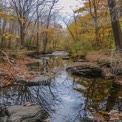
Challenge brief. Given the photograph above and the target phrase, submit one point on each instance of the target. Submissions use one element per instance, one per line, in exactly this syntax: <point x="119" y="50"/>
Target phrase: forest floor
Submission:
<point x="15" y="67"/>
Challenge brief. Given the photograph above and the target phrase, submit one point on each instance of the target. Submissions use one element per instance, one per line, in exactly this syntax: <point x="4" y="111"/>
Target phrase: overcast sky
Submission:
<point x="67" y="5"/>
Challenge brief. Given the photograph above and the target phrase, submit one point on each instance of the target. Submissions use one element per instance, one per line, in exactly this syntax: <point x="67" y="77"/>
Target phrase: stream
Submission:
<point x="67" y="98"/>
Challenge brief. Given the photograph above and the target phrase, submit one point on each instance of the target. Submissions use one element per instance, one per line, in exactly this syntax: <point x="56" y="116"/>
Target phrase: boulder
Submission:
<point x="85" y="71"/>
<point x="20" y="113"/>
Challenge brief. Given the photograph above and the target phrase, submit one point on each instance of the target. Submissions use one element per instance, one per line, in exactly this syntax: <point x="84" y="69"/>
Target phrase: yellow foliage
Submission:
<point x="85" y="18"/>
<point x="21" y="20"/>
<point x="9" y="36"/>
<point x="2" y="15"/>
<point x="50" y="33"/>
<point x="7" y="15"/>
<point x="85" y="28"/>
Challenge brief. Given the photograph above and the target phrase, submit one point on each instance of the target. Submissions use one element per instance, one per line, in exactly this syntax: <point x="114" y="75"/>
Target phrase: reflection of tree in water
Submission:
<point x="51" y="65"/>
<point x="17" y="95"/>
<point x="46" y="96"/>
<point x="23" y="95"/>
<point x="114" y="100"/>
<point x="100" y="95"/>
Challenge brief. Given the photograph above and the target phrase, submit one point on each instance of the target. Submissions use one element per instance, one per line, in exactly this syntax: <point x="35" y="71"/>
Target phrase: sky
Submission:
<point x="67" y="9"/>
<point x="68" y="5"/>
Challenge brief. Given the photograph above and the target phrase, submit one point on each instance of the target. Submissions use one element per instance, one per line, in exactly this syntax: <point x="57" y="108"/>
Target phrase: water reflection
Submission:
<point x="59" y="98"/>
<point x="17" y="95"/>
<point x="67" y="98"/>
<point x="114" y="100"/>
<point x="100" y="95"/>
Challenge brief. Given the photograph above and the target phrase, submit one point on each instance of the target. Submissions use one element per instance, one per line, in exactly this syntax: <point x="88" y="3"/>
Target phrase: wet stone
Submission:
<point x="85" y="71"/>
<point x="40" y="80"/>
<point x="19" y="113"/>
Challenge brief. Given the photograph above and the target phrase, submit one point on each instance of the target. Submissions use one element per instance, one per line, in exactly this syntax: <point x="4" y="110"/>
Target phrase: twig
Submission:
<point x="6" y="57"/>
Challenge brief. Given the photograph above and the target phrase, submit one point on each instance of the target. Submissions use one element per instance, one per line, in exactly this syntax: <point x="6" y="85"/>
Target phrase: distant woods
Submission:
<point x="36" y="25"/>
<point x="30" y="23"/>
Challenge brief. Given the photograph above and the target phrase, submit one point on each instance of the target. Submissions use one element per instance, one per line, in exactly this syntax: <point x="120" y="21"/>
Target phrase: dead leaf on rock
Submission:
<point x="28" y="104"/>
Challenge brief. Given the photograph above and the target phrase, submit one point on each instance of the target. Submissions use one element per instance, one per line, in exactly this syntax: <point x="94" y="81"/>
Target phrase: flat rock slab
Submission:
<point x="85" y="70"/>
<point x="19" y="113"/>
<point x="40" y="80"/>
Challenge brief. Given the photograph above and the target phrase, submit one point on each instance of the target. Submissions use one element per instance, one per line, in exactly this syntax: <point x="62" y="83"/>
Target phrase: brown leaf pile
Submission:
<point x="19" y="69"/>
<point x="111" y="116"/>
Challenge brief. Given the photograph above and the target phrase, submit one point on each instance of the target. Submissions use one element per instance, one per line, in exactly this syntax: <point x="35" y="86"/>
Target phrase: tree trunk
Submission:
<point x="37" y="43"/>
<point x="22" y="34"/>
<point x="9" y="43"/>
<point x="37" y="35"/>
<point x="115" y="24"/>
<point x="45" y="41"/>
<point x="120" y="8"/>
<point x="98" y="42"/>
<point x="94" y="13"/>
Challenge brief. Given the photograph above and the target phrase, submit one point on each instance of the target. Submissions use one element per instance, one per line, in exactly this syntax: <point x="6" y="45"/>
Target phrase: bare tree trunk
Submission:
<point x="3" y="31"/>
<point x="98" y="42"/>
<point x="115" y="24"/>
<point x="93" y="12"/>
<point x="37" y="44"/>
<point x="22" y="34"/>
<point x="37" y="35"/>
<point x="120" y="8"/>
<point x="45" y="41"/>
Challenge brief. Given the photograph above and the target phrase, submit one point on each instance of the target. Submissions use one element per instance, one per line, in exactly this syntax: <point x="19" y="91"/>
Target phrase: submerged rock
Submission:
<point x="85" y="70"/>
<point x="20" y="113"/>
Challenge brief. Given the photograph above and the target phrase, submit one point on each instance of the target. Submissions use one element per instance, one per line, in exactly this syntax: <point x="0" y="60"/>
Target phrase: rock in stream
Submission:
<point x="20" y="113"/>
<point x="85" y="70"/>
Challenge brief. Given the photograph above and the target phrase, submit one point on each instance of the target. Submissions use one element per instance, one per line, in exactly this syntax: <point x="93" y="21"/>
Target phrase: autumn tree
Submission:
<point x="73" y="28"/>
<point x="96" y="9"/>
<point x="73" y="32"/>
<point x="25" y="10"/>
<point x="58" y="35"/>
<point x="48" y="15"/>
<point x="7" y="23"/>
<point x="89" y="28"/>
<point x="3" y="21"/>
<point x="39" y="17"/>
